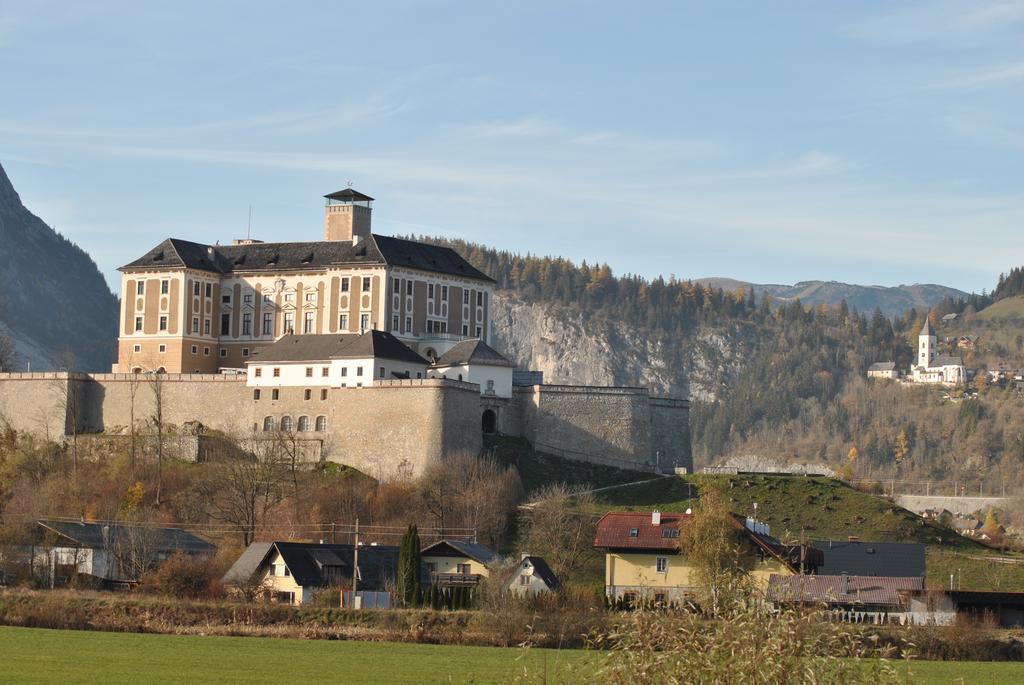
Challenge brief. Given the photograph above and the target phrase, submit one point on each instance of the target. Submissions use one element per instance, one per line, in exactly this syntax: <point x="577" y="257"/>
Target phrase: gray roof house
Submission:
<point x="856" y="558"/>
<point x="295" y="572"/>
<point x="112" y="552"/>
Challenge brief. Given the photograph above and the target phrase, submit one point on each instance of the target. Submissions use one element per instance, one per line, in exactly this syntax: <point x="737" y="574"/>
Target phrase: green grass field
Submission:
<point x="53" y="656"/>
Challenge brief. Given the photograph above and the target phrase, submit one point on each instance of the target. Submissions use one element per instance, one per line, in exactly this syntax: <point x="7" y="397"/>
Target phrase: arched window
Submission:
<point x="137" y="369"/>
<point x="460" y="376"/>
<point x="268" y="424"/>
<point x="286" y="424"/>
<point x="303" y="424"/>
<point x="321" y="424"/>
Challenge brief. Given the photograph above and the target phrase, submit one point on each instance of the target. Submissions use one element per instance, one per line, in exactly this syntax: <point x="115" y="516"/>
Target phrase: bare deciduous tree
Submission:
<point x="558" y="525"/>
<point x="243" y="489"/>
<point x="156" y="384"/>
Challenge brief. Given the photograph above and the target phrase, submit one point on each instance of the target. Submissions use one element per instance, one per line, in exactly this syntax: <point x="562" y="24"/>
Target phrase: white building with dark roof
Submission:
<point x="933" y="368"/>
<point x="476" y="362"/>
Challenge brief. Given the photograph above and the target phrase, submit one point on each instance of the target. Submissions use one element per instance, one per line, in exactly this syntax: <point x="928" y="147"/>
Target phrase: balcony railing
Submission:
<point x="452" y="579"/>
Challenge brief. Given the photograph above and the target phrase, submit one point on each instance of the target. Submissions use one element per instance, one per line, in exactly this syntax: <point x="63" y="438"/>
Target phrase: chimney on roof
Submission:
<point x="347" y="215"/>
<point x="655" y="518"/>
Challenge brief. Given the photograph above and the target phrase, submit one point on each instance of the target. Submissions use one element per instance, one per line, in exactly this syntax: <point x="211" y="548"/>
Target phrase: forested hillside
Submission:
<point x="782" y="381"/>
<point x="53" y="298"/>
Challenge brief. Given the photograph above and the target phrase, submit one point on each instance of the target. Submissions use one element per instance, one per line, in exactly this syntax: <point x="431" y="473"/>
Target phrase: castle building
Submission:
<point x="363" y="349"/>
<point x="194" y="308"/>
<point x="932" y="367"/>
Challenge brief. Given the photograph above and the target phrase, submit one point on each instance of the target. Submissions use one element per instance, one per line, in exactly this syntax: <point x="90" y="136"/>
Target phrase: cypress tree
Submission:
<point x="409" y="567"/>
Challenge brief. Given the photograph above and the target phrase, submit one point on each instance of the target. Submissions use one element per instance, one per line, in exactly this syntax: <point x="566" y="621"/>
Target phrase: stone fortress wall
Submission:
<point x="396" y="427"/>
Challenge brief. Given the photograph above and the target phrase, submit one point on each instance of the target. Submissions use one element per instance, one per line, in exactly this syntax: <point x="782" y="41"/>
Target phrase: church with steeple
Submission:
<point x="932" y="367"/>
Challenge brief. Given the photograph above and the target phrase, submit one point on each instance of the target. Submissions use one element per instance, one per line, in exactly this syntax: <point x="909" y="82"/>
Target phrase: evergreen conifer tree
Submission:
<point x="409" y="567"/>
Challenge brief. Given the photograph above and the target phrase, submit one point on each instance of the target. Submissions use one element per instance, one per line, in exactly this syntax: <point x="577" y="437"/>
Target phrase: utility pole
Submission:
<point x="355" y="564"/>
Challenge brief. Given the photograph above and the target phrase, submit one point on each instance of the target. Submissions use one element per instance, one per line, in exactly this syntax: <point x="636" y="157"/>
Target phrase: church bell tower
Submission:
<point x="927" y="342"/>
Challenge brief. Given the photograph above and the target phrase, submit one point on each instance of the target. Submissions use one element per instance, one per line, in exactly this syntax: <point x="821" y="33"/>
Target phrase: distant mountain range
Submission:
<point x="892" y="300"/>
<point x="52" y="296"/>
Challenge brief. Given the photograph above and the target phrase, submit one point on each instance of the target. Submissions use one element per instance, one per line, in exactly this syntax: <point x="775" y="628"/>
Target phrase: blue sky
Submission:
<point x="772" y="142"/>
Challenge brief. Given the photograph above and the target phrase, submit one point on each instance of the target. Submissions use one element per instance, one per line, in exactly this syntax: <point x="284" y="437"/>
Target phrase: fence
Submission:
<point x="929" y="488"/>
<point x="365" y="599"/>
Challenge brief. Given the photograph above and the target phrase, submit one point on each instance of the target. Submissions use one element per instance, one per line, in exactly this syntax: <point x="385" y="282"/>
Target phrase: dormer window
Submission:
<point x="308" y="258"/>
<point x="634" y="532"/>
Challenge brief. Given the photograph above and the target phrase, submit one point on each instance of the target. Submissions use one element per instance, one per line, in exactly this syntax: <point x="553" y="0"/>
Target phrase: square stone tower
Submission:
<point x="347" y="215"/>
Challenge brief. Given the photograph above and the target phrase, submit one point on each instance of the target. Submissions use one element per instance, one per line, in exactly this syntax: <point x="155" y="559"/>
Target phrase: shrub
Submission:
<point x="183" y="576"/>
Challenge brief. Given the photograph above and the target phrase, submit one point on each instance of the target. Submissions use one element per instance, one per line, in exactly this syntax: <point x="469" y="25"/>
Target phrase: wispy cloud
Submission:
<point x="961" y="20"/>
<point x="985" y="77"/>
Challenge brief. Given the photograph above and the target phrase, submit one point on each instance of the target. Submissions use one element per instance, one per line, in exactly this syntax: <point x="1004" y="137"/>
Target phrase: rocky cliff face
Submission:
<point x="52" y="295"/>
<point x="569" y="350"/>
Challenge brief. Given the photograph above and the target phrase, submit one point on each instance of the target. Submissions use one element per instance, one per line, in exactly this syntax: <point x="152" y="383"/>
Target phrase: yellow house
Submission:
<point x="450" y="563"/>
<point x="295" y="572"/>
<point x="643" y="559"/>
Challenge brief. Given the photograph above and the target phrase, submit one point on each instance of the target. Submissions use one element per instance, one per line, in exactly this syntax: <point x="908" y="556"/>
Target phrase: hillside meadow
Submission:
<point x="802" y="508"/>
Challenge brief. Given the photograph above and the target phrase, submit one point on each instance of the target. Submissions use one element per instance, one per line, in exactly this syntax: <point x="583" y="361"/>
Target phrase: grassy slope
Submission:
<point x="537" y="469"/>
<point x="812" y="508"/>
<point x="999" y="323"/>
<point x="49" y="656"/>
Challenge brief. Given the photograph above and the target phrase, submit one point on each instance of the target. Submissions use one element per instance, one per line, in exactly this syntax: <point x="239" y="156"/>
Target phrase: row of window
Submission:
<point x="287" y="426"/>
<point x="432" y="291"/>
<point x="275" y="393"/>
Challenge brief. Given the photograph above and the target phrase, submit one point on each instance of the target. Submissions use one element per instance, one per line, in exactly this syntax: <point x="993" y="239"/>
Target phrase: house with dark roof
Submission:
<point x="110" y="553"/>
<point x="190" y="307"/>
<point x="296" y="572"/>
<point x="856" y="558"/>
<point x="644" y="560"/>
<point x="455" y="563"/>
<point x="475" y="361"/>
<point x="339" y="360"/>
<point x="532" y="576"/>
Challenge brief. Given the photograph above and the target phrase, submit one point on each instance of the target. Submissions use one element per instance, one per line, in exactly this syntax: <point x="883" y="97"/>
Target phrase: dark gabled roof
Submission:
<point x="893" y="559"/>
<point x="842" y="590"/>
<point x="348" y="195"/>
<point x="614" y="527"/>
<point x="105" y="535"/>
<point x="274" y="257"/>
<point x="542" y="570"/>
<point x="324" y="347"/>
<point x="882" y="366"/>
<point x="945" y="360"/>
<point x="473" y="351"/>
<point x="179" y="254"/>
<point x="426" y="257"/>
<point x="308" y="562"/>
<point x="225" y="259"/>
<point x="458" y="548"/>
